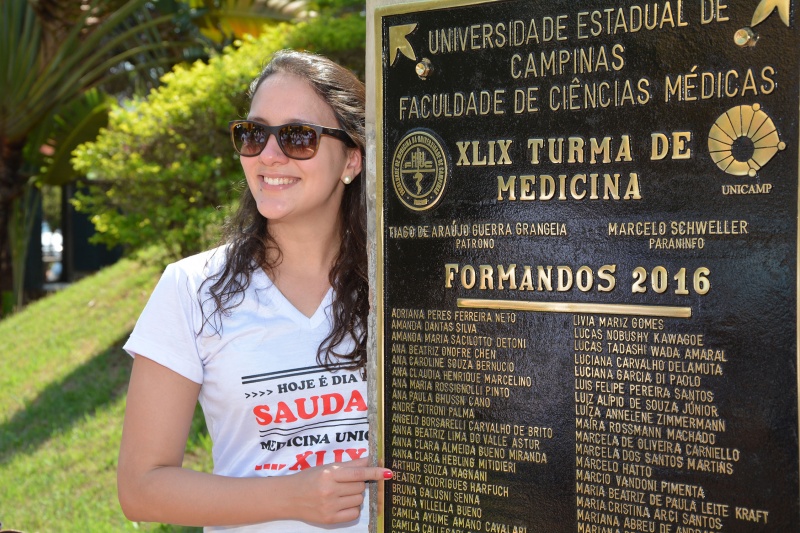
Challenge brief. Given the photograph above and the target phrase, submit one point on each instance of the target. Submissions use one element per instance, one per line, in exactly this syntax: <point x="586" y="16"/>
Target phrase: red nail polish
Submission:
<point x="387" y="474"/>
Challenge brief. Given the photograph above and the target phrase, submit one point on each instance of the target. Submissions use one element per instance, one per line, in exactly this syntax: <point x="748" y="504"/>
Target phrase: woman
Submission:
<point x="268" y="331"/>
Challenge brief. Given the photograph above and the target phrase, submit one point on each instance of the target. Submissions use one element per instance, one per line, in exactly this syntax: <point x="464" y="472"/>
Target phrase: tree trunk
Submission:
<point x="12" y="184"/>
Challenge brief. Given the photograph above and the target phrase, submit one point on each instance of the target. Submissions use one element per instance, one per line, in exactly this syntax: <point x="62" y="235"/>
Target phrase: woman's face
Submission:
<point x="287" y="190"/>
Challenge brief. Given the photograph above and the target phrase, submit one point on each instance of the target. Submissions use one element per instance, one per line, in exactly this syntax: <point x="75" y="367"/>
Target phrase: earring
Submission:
<point x="347" y="180"/>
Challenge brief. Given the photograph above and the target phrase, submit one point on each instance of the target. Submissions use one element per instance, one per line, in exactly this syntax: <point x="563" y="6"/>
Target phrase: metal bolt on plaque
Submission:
<point x="424" y="68"/>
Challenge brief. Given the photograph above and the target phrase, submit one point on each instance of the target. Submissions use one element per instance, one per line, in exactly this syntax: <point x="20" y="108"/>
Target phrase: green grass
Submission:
<point x="63" y="379"/>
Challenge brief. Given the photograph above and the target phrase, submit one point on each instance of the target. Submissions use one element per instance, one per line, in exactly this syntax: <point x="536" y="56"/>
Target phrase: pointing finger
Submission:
<point x="364" y="473"/>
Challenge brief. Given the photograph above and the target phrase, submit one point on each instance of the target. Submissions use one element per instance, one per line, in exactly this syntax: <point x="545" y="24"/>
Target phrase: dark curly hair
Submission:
<point x="250" y="244"/>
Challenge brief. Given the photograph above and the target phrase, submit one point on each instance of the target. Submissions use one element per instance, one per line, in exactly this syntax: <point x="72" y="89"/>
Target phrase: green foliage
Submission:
<point x="164" y="169"/>
<point x="36" y="75"/>
<point x="223" y="21"/>
<point x="49" y="148"/>
<point x="338" y="32"/>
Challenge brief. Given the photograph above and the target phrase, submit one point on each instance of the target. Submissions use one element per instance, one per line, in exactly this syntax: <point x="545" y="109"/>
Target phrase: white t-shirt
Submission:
<point x="270" y="408"/>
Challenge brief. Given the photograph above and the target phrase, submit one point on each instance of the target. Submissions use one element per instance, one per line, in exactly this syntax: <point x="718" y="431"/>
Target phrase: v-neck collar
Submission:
<point x="281" y="304"/>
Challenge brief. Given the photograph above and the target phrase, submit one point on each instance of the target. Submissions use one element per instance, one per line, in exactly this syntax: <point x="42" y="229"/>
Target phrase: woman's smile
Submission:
<point x="278" y="181"/>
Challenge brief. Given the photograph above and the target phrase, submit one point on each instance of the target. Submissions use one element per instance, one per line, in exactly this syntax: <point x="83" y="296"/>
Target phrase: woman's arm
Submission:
<point x="154" y="487"/>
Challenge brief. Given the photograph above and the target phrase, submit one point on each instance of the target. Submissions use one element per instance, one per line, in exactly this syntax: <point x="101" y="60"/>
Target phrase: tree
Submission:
<point x="46" y="162"/>
<point x="51" y="52"/>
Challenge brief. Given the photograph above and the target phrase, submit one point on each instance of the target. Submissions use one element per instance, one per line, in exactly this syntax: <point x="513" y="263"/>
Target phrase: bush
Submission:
<point x="338" y="32"/>
<point x="164" y="170"/>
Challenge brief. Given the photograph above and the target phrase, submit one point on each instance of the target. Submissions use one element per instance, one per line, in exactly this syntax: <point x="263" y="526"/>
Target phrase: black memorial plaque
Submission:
<point x="588" y="266"/>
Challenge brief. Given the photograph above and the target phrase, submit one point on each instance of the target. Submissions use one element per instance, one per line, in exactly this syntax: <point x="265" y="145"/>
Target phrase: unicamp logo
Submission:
<point x="743" y="140"/>
<point x="419" y="170"/>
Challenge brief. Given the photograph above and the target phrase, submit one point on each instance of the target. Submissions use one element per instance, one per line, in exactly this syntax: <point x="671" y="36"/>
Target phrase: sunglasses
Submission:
<point x="297" y="141"/>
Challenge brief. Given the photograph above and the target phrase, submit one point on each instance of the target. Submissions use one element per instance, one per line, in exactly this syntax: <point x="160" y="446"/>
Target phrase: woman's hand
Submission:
<point x="334" y="493"/>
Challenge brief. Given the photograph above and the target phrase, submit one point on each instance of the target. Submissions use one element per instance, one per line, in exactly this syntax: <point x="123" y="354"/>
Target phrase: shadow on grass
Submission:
<point x="92" y="386"/>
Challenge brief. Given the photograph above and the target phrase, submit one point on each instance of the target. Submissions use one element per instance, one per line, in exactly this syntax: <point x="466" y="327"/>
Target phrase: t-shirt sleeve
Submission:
<point x="165" y="331"/>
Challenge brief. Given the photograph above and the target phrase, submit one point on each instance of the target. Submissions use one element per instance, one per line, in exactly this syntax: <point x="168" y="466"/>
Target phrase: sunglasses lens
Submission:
<point x="298" y="141"/>
<point x="248" y="138"/>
